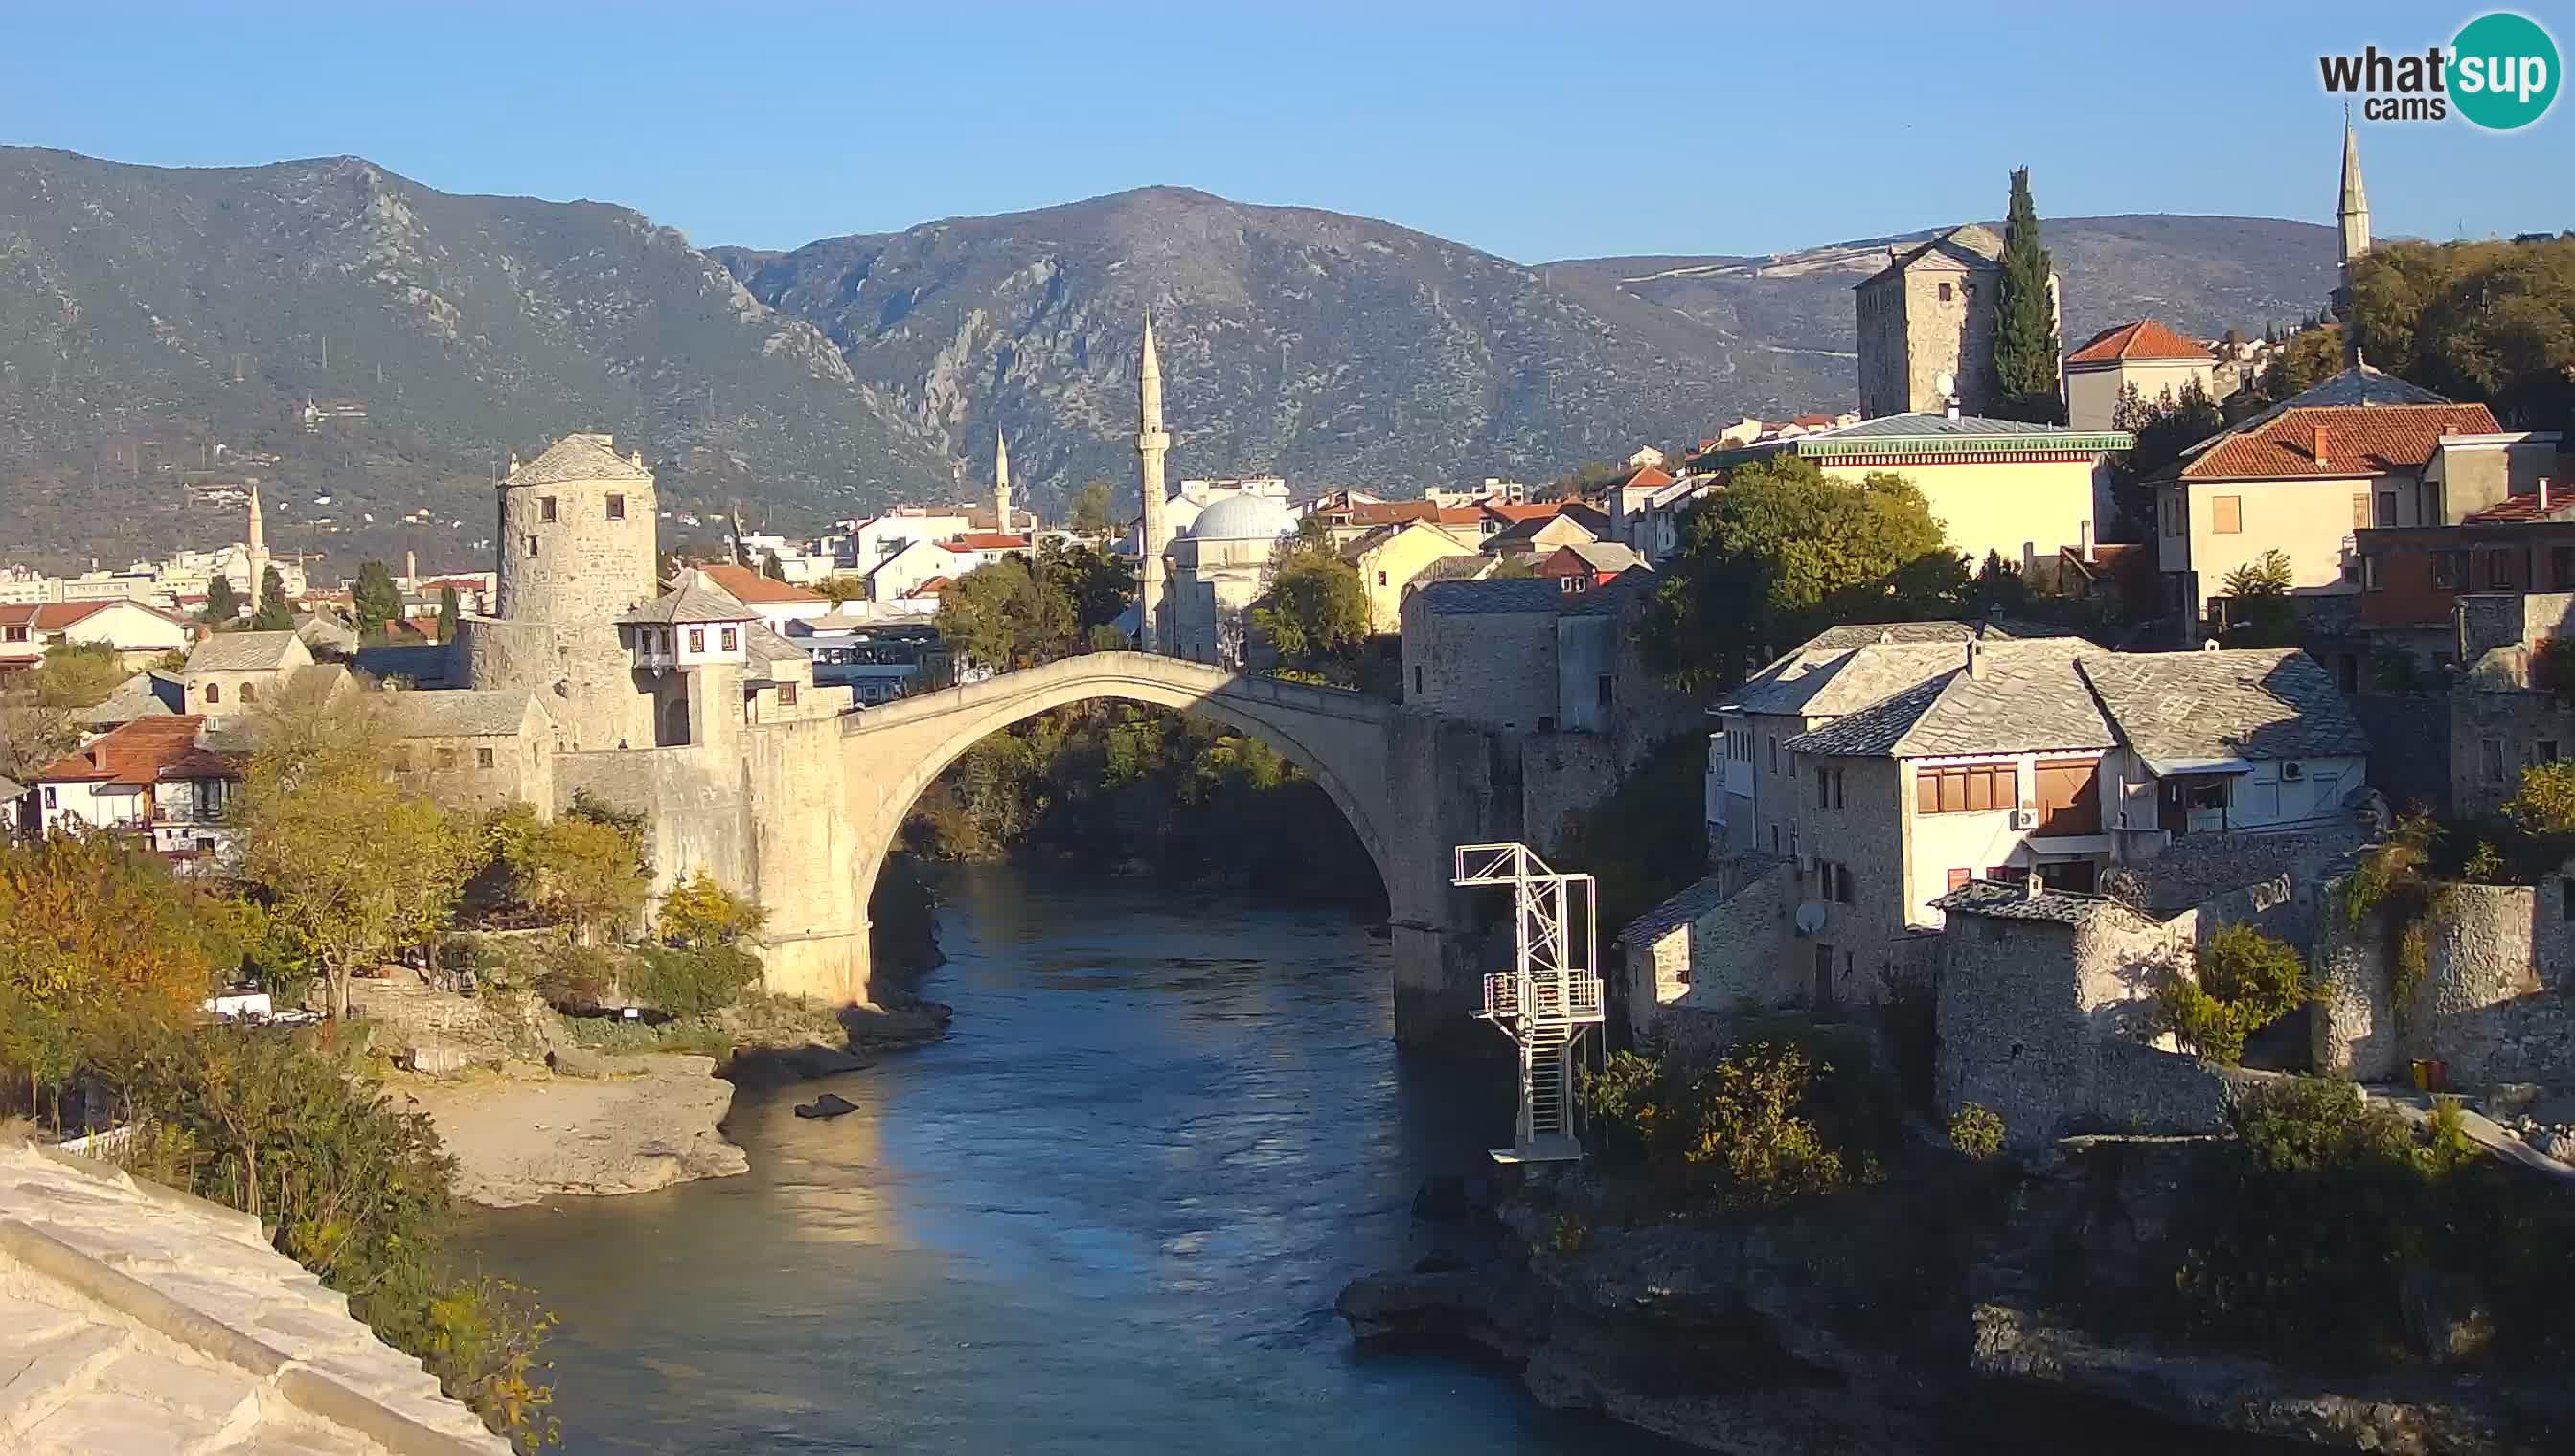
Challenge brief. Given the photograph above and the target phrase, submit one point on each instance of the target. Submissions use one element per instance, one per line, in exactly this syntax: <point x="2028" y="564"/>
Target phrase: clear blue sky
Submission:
<point x="1536" y="132"/>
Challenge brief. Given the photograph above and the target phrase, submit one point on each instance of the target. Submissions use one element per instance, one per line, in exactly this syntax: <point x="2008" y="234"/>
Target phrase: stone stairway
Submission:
<point x="139" y="1321"/>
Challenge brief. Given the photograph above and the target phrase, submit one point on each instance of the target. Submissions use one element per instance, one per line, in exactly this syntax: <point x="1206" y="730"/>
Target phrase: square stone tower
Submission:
<point x="1931" y="311"/>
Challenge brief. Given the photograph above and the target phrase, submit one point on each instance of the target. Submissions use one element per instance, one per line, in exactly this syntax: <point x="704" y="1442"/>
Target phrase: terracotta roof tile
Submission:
<point x="751" y="589"/>
<point x="134" y="753"/>
<point x="2144" y="339"/>
<point x="989" y="540"/>
<point x="2360" y="439"/>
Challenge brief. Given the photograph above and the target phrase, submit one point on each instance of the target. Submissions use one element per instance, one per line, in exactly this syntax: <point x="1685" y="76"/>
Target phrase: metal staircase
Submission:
<point x="1550" y="997"/>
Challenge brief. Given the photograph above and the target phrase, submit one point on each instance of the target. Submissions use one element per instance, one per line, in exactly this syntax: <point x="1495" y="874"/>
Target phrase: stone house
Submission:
<point x="1524" y="655"/>
<point x="1928" y="314"/>
<point x="474" y="750"/>
<point x="1390" y="559"/>
<point x="2361" y="451"/>
<point x="1540" y="535"/>
<point x="229" y="673"/>
<point x="2506" y="715"/>
<point x="1886" y="775"/>
<point x="2007" y="487"/>
<point x="2147" y="355"/>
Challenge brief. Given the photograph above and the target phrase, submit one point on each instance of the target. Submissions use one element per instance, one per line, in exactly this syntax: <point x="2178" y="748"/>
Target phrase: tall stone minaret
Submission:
<point x="1153" y="441"/>
<point x="2352" y="213"/>
<point x="256" y="555"/>
<point x="1001" y="484"/>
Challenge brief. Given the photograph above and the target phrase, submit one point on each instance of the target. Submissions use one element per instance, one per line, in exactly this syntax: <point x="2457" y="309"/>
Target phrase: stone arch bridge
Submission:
<point x="1382" y="764"/>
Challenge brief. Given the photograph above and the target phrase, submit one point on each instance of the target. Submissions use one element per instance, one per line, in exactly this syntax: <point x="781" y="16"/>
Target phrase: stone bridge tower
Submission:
<point x="579" y="535"/>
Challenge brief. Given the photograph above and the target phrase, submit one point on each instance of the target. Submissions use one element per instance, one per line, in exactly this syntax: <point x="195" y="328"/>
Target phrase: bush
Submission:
<point x="1763" y="1124"/>
<point x="693" y="982"/>
<point x="576" y="978"/>
<point x="700" y="914"/>
<point x="2244" y="981"/>
<point x="1976" y="1131"/>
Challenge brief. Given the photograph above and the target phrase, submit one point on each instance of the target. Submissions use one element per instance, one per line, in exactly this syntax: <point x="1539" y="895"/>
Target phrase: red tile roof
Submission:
<point x="134" y="753"/>
<point x="2360" y="439"/>
<point x="2524" y="507"/>
<point x="2144" y="339"/>
<point x="931" y="588"/>
<point x="1535" y="510"/>
<point x="1814" y="422"/>
<point x="985" y="540"/>
<point x="1652" y="477"/>
<point x="751" y="589"/>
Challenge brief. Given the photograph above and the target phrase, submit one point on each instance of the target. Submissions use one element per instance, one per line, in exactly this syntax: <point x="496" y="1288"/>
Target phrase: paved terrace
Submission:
<point x="136" y="1320"/>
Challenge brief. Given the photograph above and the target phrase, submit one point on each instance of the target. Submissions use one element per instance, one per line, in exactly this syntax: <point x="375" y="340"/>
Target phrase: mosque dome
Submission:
<point x="1243" y="518"/>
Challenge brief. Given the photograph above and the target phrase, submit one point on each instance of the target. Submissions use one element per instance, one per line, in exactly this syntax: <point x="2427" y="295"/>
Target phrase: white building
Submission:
<point x="1219" y="567"/>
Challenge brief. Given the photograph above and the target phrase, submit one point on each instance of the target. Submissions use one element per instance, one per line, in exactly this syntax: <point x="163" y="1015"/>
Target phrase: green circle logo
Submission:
<point x="2503" y="71"/>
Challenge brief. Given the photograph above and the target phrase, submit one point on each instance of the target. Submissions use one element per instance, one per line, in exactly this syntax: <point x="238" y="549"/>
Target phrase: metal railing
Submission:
<point x="1568" y="998"/>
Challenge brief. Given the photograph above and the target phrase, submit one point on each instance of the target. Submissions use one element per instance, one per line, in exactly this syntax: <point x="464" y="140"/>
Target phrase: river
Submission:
<point x="1108" y="1214"/>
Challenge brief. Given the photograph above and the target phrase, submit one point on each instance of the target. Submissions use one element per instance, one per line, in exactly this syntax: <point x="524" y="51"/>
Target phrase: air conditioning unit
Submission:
<point x="2024" y="818"/>
<point x="2292" y="771"/>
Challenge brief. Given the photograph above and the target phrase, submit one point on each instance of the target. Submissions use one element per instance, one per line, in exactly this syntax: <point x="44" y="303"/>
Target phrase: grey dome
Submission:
<point x="1243" y="518"/>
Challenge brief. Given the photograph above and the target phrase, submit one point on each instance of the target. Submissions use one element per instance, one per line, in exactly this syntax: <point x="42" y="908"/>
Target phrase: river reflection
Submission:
<point x="1109" y="1213"/>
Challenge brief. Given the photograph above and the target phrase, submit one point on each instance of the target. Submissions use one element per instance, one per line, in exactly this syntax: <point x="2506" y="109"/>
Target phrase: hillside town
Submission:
<point x="1993" y="720"/>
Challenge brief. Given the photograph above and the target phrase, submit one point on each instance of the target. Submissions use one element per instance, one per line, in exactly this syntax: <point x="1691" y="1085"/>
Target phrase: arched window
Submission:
<point x="250" y="693"/>
<point x="214" y="693"/>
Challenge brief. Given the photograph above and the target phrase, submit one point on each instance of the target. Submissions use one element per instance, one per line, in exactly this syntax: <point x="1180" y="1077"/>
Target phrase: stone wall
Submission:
<point x="2409" y="746"/>
<point x="2495" y="733"/>
<point x="1496" y="669"/>
<point x="451" y="770"/>
<point x="2496" y="1001"/>
<point x="1731" y="959"/>
<point x="1561" y="775"/>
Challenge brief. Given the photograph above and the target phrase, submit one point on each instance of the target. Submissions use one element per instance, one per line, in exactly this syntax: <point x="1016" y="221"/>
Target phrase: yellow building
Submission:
<point x="2018" y="491"/>
<point x="2158" y="363"/>
<point x="1392" y="558"/>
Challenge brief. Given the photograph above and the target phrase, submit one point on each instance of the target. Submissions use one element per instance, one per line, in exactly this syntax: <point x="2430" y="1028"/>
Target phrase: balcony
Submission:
<point x="1553" y="999"/>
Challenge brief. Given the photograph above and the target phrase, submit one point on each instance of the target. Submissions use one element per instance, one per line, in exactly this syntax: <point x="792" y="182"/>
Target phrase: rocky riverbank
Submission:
<point x="1880" y="1321"/>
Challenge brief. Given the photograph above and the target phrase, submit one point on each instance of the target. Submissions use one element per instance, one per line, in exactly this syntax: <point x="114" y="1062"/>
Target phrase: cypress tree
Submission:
<point x="273" y="613"/>
<point x="376" y="600"/>
<point x="447" y="614"/>
<point x="222" y="605"/>
<point x="2026" y="344"/>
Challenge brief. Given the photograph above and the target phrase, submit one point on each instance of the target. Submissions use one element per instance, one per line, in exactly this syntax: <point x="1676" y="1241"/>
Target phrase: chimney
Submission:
<point x="1953" y="407"/>
<point x="2543" y="495"/>
<point x="2031" y="886"/>
<point x="411" y="567"/>
<point x="1975" y="659"/>
<point x="2318" y="449"/>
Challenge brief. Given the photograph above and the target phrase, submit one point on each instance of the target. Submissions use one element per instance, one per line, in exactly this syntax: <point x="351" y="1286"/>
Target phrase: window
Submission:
<point x="2370" y="581"/>
<point x="2498" y="568"/>
<point x="2544" y="751"/>
<point x="2449" y="569"/>
<point x="2226" y="514"/>
<point x="214" y="693"/>
<point x="17" y="633"/>
<point x="1417" y="681"/>
<point x="532" y="545"/>
<point x="1823" y="952"/>
<point x="546" y="508"/>
<point x="2491" y="751"/>
<point x="2069" y="799"/>
<point x="616" y="508"/>
<point x="786" y="695"/>
<point x="1976" y="787"/>
<point x="483" y="758"/>
<point x="2561" y="566"/>
<point x="730" y="639"/>
<point x="1774" y="756"/>
<point x="1604" y="687"/>
<point x="1823" y="787"/>
<point x="250" y="693"/>
<point x="1838" y="788"/>
<point x="2387" y="508"/>
<point x="447" y="758"/>
<point x="2360" y="511"/>
<point x="697" y="639"/>
<point x="1945" y="293"/>
<point x="1381" y="579"/>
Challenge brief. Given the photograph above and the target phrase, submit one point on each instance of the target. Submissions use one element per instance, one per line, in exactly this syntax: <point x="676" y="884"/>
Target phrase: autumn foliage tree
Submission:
<point x="1313" y="613"/>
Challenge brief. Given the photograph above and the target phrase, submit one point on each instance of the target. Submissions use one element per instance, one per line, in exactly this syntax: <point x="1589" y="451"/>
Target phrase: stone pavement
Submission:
<point x="136" y="1320"/>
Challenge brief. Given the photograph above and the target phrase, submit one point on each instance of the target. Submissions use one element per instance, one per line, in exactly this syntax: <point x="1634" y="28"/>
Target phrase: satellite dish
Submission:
<point x="1947" y="383"/>
<point x="1810" y="917"/>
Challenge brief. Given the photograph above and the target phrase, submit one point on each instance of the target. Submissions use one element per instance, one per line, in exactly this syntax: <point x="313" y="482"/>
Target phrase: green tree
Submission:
<point x="2025" y="342"/>
<point x="40" y="711"/>
<point x="347" y="865"/>
<point x="449" y="608"/>
<point x="1099" y="584"/>
<point x="2245" y="981"/>
<point x="376" y="600"/>
<point x="2261" y="612"/>
<point x="772" y="567"/>
<point x="841" y="587"/>
<point x="587" y="874"/>
<point x="1090" y="509"/>
<point x="1314" y="610"/>
<point x="2166" y="427"/>
<point x="222" y="605"/>
<point x="274" y="614"/>
<point x="1786" y="550"/>
<point x="2309" y="358"/>
<point x="2491" y="322"/>
<point x="1007" y="615"/>
<point x="700" y="915"/>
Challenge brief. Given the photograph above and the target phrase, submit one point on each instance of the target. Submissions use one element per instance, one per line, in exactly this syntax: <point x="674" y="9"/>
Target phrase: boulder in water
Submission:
<point x="830" y="1104"/>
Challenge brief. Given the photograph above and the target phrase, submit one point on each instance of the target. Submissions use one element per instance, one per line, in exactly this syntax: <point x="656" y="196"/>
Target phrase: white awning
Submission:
<point x="2167" y="767"/>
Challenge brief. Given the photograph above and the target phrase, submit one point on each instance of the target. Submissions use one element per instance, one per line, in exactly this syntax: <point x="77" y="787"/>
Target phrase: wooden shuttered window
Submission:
<point x="2226" y="514"/>
<point x="1971" y="789"/>
<point x="2069" y="799"/>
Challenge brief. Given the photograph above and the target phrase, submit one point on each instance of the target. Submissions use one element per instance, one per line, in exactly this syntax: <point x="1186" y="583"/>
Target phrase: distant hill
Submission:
<point x="147" y="315"/>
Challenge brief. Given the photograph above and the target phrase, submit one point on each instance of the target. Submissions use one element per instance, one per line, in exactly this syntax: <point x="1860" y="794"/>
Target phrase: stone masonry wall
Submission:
<point x="2409" y="746"/>
<point x="2496" y="1001"/>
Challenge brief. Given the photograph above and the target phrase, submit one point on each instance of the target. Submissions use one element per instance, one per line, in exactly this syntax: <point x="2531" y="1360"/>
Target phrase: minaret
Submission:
<point x="255" y="561"/>
<point x="1001" y="484"/>
<point x="1153" y="441"/>
<point x="2352" y="213"/>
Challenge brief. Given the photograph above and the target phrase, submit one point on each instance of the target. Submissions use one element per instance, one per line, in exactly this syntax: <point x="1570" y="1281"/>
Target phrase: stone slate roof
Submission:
<point x="1605" y="556"/>
<point x="242" y="652"/>
<point x="2263" y="702"/>
<point x="582" y="457"/>
<point x="2030" y="698"/>
<point x="489" y="712"/>
<point x="695" y="601"/>
<point x="1505" y="594"/>
<point x="766" y="647"/>
<point x="2002" y="902"/>
<point x="1975" y="247"/>
<point x="145" y="694"/>
<point x="1820" y="684"/>
<point x="1698" y="898"/>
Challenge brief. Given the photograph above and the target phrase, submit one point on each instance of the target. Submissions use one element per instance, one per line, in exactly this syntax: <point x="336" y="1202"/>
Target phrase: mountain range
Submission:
<point x="149" y="315"/>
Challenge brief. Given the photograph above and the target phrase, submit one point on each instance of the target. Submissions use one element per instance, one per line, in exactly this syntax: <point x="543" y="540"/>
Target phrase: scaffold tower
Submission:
<point x="1550" y="997"/>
